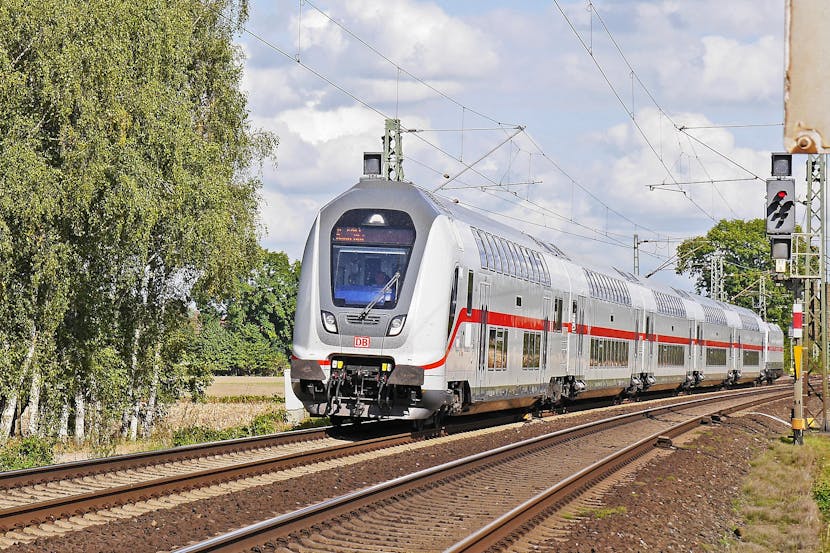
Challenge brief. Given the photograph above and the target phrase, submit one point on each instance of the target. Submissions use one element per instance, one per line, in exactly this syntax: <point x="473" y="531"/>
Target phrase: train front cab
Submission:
<point x="365" y="344"/>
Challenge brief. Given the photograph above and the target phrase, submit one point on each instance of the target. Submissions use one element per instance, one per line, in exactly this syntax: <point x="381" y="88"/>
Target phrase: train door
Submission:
<point x="639" y="357"/>
<point x="544" y="350"/>
<point x="699" y="349"/>
<point x="580" y="330"/>
<point x="649" y="361"/>
<point x="484" y="306"/>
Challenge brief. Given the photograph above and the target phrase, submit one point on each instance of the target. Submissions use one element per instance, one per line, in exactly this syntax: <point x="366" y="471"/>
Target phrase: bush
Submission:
<point x="27" y="453"/>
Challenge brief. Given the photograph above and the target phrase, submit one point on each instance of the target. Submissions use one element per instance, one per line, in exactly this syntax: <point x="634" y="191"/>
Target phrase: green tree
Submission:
<point x="746" y="260"/>
<point x="128" y="184"/>
<point x="250" y="331"/>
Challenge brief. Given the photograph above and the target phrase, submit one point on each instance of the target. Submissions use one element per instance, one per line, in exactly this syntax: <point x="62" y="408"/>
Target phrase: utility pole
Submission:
<point x="717" y="291"/>
<point x="812" y="267"/>
<point x="808" y="274"/>
<point x="392" y="151"/>
<point x="636" y="255"/>
<point x="762" y="297"/>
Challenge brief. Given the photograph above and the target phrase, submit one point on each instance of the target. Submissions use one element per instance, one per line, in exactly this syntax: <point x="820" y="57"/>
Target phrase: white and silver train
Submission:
<point x="412" y="307"/>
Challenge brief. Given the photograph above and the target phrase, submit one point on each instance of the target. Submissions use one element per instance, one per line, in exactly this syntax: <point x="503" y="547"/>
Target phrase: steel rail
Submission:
<point x="79" y="469"/>
<point x="256" y="534"/>
<point x="43" y="511"/>
<point x="500" y="531"/>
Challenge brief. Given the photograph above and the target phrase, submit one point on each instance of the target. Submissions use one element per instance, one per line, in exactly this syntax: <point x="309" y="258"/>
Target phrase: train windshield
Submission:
<point x="368" y="248"/>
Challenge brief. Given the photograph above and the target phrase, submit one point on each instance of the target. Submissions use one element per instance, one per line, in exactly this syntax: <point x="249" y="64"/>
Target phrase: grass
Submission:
<point x="263" y="386"/>
<point x="778" y="503"/>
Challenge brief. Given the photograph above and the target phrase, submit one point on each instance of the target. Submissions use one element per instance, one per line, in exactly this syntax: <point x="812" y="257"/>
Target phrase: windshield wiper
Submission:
<point x="380" y="295"/>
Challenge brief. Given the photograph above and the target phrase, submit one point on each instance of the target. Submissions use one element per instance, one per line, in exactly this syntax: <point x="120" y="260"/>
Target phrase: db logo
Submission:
<point x="362" y="341"/>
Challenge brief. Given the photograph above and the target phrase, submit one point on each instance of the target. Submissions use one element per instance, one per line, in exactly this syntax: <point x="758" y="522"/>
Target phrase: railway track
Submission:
<point x="432" y="510"/>
<point x="44" y="495"/>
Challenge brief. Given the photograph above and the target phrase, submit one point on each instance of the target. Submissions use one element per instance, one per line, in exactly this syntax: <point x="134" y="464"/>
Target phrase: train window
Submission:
<point x="497" y="349"/>
<point x="531" y="350"/>
<point x="609" y="353"/>
<point x="496" y="258"/>
<point x="670" y="356"/>
<point x="534" y="268"/>
<point x="506" y="255"/>
<point x="716" y="357"/>
<point x="453" y="301"/>
<point x="544" y="277"/>
<point x="523" y="261"/>
<point x="469" y="293"/>
<point x="481" y="252"/>
<point x="751" y="358"/>
<point x="491" y="264"/>
<point x="368" y="248"/>
<point x="516" y="263"/>
<point x="518" y="301"/>
<point x="557" y="314"/>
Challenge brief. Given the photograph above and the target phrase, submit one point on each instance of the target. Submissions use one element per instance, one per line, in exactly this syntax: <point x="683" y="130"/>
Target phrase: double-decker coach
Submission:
<point x="411" y="306"/>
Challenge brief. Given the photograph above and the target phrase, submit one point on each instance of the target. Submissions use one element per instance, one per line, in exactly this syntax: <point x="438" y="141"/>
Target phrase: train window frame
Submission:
<point x="490" y="262"/>
<point x="497" y="348"/>
<point x="531" y="350"/>
<point x="525" y="268"/>
<point x="453" y="302"/>
<point x="537" y="277"/>
<point x="496" y="256"/>
<point x="516" y="264"/>
<point x="507" y="257"/>
<point x="482" y="255"/>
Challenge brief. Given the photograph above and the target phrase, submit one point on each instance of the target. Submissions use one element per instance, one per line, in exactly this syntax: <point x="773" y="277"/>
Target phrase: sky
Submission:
<point x="600" y="88"/>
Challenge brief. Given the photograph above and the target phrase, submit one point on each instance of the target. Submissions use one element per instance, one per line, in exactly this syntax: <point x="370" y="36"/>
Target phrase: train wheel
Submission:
<point x="418" y="425"/>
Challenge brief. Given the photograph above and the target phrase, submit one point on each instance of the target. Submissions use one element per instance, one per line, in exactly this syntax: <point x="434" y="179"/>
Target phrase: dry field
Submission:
<point x="266" y="386"/>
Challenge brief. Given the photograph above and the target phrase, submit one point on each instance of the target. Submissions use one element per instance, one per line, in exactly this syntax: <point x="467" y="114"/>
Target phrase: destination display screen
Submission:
<point x="373" y="235"/>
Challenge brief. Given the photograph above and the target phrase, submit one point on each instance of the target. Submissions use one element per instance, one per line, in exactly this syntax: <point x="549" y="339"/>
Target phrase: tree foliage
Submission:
<point x="127" y="185"/>
<point x="250" y="331"/>
<point x="746" y="260"/>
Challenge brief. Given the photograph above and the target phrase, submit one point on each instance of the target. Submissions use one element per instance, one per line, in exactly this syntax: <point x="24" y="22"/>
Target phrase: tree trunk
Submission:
<point x="34" y="402"/>
<point x="7" y="416"/>
<point x="150" y="413"/>
<point x="80" y="415"/>
<point x="134" y="420"/>
<point x="34" y="390"/>
<point x="63" y="423"/>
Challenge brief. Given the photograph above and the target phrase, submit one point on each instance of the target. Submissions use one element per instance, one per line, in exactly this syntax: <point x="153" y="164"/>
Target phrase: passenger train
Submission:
<point x="411" y="306"/>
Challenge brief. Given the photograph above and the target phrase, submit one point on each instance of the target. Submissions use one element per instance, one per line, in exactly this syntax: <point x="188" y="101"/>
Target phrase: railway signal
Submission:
<point x="780" y="215"/>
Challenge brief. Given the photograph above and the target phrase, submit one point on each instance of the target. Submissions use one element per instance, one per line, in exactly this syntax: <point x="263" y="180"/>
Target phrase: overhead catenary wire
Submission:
<point x="297" y="59"/>
<point x="679" y="128"/>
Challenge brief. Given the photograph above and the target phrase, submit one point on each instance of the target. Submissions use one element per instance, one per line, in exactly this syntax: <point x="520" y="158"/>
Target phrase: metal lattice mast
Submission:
<point x="810" y="264"/>
<point x="392" y="151"/>
<point x="717" y="291"/>
<point x="762" y="298"/>
<point x="636" y="254"/>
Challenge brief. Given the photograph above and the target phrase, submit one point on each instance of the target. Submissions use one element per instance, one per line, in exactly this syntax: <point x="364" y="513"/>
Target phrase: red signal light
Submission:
<point x="781" y="194"/>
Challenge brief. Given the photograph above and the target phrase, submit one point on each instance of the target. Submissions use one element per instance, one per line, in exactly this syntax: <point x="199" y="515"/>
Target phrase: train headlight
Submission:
<point x="396" y="325"/>
<point x="329" y="322"/>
